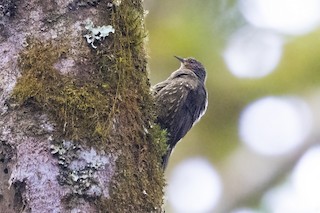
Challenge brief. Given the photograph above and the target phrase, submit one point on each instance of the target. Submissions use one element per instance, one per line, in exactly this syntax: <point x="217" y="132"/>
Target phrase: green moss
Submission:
<point x="112" y="109"/>
<point x="138" y="185"/>
<point x="77" y="107"/>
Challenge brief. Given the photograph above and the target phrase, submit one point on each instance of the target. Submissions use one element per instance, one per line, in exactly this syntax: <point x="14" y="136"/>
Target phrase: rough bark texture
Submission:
<point x="76" y="124"/>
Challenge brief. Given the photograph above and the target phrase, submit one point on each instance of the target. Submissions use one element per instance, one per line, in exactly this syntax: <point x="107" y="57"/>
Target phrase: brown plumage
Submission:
<point x="181" y="101"/>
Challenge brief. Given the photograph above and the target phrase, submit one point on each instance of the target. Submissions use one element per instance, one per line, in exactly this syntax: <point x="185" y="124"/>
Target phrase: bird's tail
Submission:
<point x="165" y="158"/>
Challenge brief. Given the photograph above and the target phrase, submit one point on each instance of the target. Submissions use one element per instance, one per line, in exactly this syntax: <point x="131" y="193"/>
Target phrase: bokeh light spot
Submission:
<point x="194" y="187"/>
<point x="286" y="16"/>
<point x="302" y="191"/>
<point x="253" y="53"/>
<point x="244" y="210"/>
<point x="306" y="176"/>
<point x="275" y="125"/>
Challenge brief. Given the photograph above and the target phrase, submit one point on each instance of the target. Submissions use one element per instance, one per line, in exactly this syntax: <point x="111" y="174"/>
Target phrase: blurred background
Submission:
<point x="257" y="149"/>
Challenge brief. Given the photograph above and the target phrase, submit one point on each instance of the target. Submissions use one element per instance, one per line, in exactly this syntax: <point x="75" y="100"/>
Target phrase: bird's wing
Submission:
<point x="156" y="88"/>
<point x="174" y="112"/>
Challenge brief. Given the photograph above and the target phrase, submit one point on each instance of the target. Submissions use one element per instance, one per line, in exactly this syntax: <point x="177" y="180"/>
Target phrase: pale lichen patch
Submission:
<point x="97" y="33"/>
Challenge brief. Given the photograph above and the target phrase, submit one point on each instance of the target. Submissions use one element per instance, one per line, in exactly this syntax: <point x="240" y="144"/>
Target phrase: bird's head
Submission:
<point x="193" y="65"/>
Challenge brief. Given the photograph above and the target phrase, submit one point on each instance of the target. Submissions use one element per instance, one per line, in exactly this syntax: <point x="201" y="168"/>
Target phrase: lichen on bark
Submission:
<point x="107" y="105"/>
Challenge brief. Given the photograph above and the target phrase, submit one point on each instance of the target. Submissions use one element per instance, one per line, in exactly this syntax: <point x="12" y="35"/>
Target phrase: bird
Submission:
<point x="181" y="100"/>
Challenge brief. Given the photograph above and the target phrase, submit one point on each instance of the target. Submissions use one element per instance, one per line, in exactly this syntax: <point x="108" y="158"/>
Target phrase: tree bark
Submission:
<point x="77" y="130"/>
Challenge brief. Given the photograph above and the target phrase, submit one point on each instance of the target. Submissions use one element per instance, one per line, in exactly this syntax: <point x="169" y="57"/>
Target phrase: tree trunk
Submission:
<point x="77" y="129"/>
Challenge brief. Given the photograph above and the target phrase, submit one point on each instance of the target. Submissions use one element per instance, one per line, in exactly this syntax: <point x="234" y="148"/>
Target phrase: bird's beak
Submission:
<point x="180" y="59"/>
